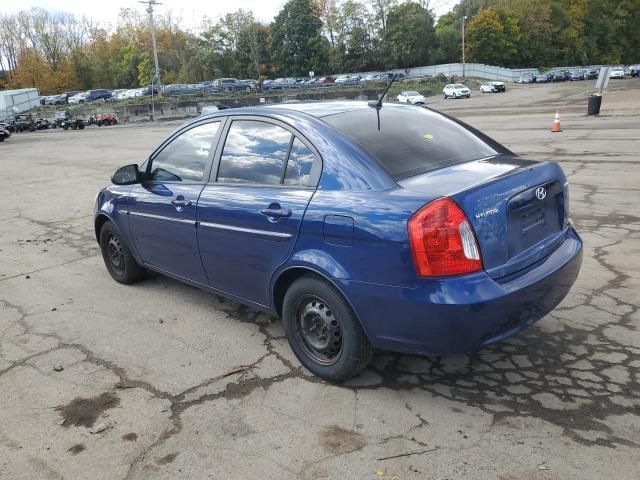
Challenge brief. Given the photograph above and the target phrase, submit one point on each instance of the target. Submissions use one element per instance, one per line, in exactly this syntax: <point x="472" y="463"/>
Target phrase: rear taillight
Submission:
<point x="442" y="240"/>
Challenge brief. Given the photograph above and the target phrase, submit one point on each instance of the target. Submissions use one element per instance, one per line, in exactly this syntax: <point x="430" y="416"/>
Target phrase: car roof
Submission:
<point x="322" y="109"/>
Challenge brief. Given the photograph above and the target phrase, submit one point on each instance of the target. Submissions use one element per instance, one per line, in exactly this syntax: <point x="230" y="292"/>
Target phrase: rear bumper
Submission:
<point x="462" y="314"/>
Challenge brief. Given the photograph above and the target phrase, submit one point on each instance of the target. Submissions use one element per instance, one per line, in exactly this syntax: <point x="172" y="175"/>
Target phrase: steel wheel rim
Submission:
<point x="115" y="253"/>
<point x="319" y="330"/>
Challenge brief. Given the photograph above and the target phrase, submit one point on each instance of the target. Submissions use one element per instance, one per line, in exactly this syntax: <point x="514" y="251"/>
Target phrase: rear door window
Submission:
<point x="410" y="140"/>
<point x="254" y="152"/>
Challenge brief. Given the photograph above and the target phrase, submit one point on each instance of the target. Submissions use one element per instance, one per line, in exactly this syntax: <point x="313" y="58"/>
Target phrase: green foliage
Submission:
<point x="409" y="37"/>
<point x="297" y="44"/>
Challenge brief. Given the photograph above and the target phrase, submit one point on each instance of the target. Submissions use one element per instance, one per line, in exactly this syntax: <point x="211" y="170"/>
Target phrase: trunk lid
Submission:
<point x="516" y="207"/>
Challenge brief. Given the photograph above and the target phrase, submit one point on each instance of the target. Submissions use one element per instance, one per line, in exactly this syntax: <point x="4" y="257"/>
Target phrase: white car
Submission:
<point x="617" y="73"/>
<point x="79" y="97"/>
<point x="456" y="90"/>
<point x="487" y="88"/>
<point x="413" y="97"/>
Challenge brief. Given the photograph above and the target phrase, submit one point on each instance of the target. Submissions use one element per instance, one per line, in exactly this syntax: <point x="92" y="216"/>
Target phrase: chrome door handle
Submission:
<point x="276" y="212"/>
<point x="181" y="203"/>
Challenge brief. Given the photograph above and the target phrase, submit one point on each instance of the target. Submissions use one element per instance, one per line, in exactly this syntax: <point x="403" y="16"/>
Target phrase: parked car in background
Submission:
<point x="284" y="84"/>
<point x="180" y="89"/>
<point x="60" y="99"/>
<point x="526" y="78"/>
<point x="365" y="229"/>
<point x="399" y="76"/>
<point x="345" y="80"/>
<point x="266" y="85"/>
<point x="617" y="73"/>
<point x="456" y="90"/>
<point x="542" y="78"/>
<point x="148" y="90"/>
<point x="327" y="80"/>
<point x="253" y="84"/>
<point x="98" y="94"/>
<point x="498" y="87"/>
<point x="79" y="98"/>
<point x="635" y="70"/>
<point x="228" y="85"/>
<point x="413" y="97"/>
<point x="576" y="75"/>
<point x="592" y="74"/>
<point x="487" y="88"/>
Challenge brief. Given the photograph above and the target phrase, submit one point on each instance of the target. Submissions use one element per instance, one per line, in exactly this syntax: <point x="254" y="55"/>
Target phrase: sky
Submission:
<point x="191" y="12"/>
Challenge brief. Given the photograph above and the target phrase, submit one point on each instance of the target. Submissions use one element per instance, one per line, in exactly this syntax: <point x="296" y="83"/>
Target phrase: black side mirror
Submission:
<point x="127" y="175"/>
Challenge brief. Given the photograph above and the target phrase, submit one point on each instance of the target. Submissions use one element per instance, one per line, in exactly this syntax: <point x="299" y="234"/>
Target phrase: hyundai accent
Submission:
<point x="395" y="228"/>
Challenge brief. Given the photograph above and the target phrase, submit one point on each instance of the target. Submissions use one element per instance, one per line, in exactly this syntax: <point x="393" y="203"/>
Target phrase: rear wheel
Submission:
<point x="117" y="258"/>
<point x="323" y="331"/>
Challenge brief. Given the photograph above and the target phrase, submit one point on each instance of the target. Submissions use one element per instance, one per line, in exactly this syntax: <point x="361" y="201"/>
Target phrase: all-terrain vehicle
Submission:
<point x="66" y="121"/>
<point x="4" y="132"/>
<point x="42" y="124"/>
<point x="23" y="122"/>
<point x="107" y="119"/>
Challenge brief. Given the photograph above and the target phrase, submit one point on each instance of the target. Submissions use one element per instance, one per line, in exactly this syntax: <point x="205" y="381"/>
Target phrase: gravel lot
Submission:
<point x="188" y="385"/>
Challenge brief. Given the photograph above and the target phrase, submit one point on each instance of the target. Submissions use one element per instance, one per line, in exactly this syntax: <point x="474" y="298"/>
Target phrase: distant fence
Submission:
<point x="479" y="70"/>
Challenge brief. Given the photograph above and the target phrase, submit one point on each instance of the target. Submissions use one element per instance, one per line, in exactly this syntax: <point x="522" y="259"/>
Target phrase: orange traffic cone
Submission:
<point x="556" y="123"/>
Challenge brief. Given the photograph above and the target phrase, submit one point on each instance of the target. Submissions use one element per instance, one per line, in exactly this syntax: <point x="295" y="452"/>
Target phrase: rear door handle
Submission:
<point x="181" y="202"/>
<point x="276" y="212"/>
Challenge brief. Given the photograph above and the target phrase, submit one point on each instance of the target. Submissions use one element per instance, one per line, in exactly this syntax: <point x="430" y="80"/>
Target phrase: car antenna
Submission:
<point x="378" y="104"/>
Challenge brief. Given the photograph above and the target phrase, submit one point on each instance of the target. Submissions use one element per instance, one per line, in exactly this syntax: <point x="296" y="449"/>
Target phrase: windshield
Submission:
<point x="412" y="94"/>
<point x="458" y="85"/>
<point x="410" y="140"/>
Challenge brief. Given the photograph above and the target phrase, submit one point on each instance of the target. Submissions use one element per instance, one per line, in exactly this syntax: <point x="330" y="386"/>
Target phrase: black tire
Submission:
<point x="445" y="96"/>
<point x="81" y="126"/>
<point x="323" y="330"/>
<point x="66" y="127"/>
<point x="117" y="258"/>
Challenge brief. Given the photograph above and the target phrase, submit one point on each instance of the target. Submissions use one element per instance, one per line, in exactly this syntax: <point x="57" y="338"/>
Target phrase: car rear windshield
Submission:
<point x="410" y="140"/>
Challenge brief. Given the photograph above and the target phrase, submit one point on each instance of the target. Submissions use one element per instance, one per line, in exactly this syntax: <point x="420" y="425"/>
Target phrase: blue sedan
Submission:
<point x="394" y="228"/>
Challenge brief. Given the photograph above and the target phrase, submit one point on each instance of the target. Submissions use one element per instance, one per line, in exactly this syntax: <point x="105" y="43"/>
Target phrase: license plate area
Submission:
<point x="532" y="219"/>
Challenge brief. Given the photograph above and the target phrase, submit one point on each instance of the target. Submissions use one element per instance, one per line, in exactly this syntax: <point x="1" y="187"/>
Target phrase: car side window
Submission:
<point x="299" y="165"/>
<point x="254" y="152"/>
<point x="185" y="159"/>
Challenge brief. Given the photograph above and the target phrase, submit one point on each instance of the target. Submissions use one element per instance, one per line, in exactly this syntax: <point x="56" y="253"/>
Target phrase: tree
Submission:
<point x="448" y="39"/>
<point x="491" y="37"/>
<point x="409" y="38"/>
<point x="297" y="44"/>
<point x="356" y="43"/>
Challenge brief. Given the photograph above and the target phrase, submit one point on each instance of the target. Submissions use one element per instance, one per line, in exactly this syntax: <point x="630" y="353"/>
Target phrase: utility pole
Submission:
<point x="464" y="18"/>
<point x="156" y="78"/>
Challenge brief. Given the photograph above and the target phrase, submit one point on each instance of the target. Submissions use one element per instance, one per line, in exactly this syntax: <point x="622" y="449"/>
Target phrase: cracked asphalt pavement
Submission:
<point x="163" y="381"/>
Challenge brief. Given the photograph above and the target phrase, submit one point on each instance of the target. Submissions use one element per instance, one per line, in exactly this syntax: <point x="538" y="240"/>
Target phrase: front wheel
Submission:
<point x="117" y="258"/>
<point x="323" y="330"/>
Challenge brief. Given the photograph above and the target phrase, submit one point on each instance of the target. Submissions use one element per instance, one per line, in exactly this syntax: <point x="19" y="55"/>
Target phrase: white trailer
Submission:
<point x="17" y="101"/>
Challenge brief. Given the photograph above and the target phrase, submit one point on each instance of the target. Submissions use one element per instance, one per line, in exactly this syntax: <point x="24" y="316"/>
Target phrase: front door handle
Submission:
<point x="181" y="202"/>
<point x="276" y="212"/>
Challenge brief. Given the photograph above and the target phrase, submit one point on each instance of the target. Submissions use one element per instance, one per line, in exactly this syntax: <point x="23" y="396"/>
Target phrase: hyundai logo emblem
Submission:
<point x="541" y="193"/>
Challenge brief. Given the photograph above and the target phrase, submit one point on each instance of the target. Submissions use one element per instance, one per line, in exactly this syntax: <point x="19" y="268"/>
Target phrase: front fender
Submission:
<point x="111" y="205"/>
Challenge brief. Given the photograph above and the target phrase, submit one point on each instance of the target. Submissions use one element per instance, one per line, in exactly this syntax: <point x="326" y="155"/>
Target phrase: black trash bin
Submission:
<point x="594" y="104"/>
